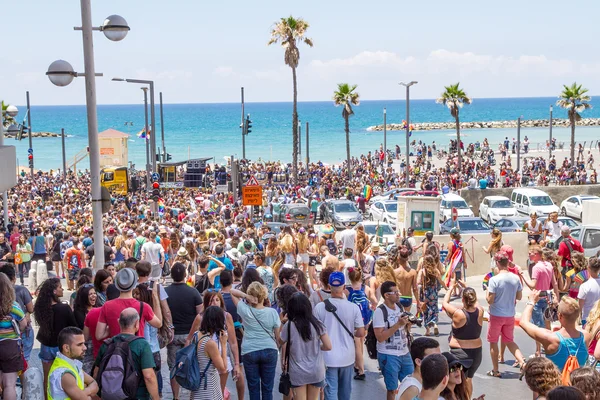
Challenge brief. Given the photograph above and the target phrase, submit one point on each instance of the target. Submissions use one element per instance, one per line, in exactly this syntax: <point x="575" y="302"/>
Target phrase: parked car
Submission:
<point x="570" y="222"/>
<point x="450" y="201"/>
<point x="527" y="200"/>
<point x="384" y="211"/>
<point x="589" y="237"/>
<point x="294" y="212"/>
<point x="340" y="213"/>
<point x="276" y="227"/>
<point x="573" y="206"/>
<point x="511" y="224"/>
<point x="389" y="194"/>
<point x="386" y="232"/>
<point x="494" y="208"/>
<point x="429" y="193"/>
<point x="466" y="225"/>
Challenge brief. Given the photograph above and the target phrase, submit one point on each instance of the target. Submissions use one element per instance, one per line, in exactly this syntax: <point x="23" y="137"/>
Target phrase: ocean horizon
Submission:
<point x="212" y="129"/>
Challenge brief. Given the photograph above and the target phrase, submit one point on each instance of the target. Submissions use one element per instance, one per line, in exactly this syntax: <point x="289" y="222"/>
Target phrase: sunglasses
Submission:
<point x="455" y="368"/>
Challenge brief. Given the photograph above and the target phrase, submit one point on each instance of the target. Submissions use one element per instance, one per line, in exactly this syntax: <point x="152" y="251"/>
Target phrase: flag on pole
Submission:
<point x="143" y="134"/>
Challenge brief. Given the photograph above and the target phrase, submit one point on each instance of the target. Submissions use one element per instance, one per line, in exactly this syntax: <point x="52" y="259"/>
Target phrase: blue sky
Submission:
<point x="203" y="51"/>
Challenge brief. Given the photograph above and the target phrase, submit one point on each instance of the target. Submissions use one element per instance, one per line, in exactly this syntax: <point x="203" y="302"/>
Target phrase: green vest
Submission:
<point x="60" y="363"/>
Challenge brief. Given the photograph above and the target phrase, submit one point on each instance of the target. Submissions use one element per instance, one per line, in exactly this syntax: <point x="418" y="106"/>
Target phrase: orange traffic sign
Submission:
<point x="252" y="195"/>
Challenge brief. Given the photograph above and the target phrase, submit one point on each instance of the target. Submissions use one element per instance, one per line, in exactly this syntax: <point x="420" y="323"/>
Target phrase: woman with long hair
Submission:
<point x="120" y="248"/>
<point x="467" y="321"/>
<point x="287" y="245"/>
<point x="11" y="361"/>
<point x="383" y="272"/>
<point x="592" y="325"/>
<point x="84" y="302"/>
<point x="430" y="279"/>
<point x="362" y="239"/>
<point x="494" y="246"/>
<point x="541" y="376"/>
<point x="211" y="353"/>
<point x="457" y="388"/>
<point x="307" y="339"/>
<point x="278" y="263"/>
<point x="24" y="251"/>
<point x="193" y="254"/>
<point x="550" y="256"/>
<point x="51" y="316"/>
<point x="579" y="270"/>
<point x="102" y="281"/>
<point x="271" y="251"/>
<point x="302" y="246"/>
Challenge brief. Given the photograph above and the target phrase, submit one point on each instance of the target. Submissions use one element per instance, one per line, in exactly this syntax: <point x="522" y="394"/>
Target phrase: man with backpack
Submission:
<point x="566" y="247"/>
<point x="568" y="347"/>
<point x="130" y="361"/>
<point x="66" y="378"/>
<point x="390" y="328"/>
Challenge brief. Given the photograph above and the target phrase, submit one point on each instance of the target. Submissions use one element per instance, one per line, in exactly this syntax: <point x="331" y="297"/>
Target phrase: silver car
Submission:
<point x="341" y="213"/>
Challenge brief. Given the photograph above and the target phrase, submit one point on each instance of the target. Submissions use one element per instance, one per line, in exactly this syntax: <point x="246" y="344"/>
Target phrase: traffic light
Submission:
<point x="155" y="191"/>
<point x="168" y="157"/>
<point x="30" y="160"/>
<point x="248" y="125"/>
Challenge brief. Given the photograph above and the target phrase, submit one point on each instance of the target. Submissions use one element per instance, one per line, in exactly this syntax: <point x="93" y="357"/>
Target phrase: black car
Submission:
<point x="511" y="224"/>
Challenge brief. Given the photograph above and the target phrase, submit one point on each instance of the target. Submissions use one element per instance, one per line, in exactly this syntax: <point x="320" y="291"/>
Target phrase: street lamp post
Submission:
<point x="61" y="73"/>
<point x="407" y="86"/>
<point x="550" y="143"/>
<point x="162" y="130"/>
<point x="385" y="132"/>
<point x="519" y="143"/>
<point x="148" y="152"/>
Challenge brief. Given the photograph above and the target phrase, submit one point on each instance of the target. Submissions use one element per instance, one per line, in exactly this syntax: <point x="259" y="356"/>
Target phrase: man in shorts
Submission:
<point x="74" y="262"/>
<point x="503" y="291"/>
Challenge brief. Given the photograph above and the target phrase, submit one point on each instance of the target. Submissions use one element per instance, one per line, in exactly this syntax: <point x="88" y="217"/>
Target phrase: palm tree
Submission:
<point x="346" y="96"/>
<point x="289" y="32"/>
<point x="575" y="100"/>
<point x="454" y="97"/>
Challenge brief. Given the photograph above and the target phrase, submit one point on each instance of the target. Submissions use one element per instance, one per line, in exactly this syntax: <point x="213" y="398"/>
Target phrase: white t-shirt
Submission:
<point x="553" y="229"/>
<point x="342" y="354"/>
<point x="348" y="239"/>
<point x="589" y="292"/>
<point x="348" y="263"/>
<point x="413" y="242"/>
<point x="397" y="344"/>
<point x="408" y="382"/>
<point x="151" y="252"/>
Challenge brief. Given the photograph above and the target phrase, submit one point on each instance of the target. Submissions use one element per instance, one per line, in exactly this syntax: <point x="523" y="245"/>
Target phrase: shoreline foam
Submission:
<point x="530" y="123"/>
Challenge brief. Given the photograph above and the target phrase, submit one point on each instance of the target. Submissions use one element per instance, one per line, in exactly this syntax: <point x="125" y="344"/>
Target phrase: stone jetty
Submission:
<point x="39" y="134"/>
<point x="530" y="123"/>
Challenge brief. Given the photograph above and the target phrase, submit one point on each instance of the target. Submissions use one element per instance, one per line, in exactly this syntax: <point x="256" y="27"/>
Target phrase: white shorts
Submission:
<point x="302" y="258"/>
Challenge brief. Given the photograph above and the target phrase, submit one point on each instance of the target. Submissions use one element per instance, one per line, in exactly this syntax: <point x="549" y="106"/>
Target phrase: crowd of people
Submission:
<point x="206" y="273"/>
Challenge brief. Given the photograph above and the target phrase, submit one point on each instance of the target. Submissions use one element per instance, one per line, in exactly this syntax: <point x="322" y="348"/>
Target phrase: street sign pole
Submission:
<point x="454" y="216"/>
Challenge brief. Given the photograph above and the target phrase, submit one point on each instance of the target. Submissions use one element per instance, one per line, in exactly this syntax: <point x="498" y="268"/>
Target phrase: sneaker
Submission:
<point x="360" y="377"/>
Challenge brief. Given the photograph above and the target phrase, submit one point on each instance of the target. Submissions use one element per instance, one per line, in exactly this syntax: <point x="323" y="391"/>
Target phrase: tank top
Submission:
<point x="471" y="329"/>
<point x="569" y="346"/>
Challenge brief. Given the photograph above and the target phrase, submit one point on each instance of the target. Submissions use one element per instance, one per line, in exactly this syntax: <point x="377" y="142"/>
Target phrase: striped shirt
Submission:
<point x="7" y="330"/>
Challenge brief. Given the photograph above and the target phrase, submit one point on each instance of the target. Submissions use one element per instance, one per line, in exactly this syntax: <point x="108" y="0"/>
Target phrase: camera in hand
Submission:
<point x="412" y="319"/>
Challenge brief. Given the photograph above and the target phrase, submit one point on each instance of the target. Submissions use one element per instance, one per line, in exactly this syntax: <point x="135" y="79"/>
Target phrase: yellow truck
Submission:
<point x="115" y="179"/>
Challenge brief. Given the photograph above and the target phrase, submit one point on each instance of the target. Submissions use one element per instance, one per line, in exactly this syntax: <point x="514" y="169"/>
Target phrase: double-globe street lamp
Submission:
<point x="61" y="73"/>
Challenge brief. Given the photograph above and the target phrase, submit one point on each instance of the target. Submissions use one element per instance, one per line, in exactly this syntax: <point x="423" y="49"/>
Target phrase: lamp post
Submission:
<point x="162" y="130"/>
<point x="550" y="143"/>
<point x="152" y="116"/>
<point x="61" y="73"/>
<point x="519" y="143"/>
<point x="407" y="86"/>
<point x="385" y="132"/>
<point x="148" y="152"/>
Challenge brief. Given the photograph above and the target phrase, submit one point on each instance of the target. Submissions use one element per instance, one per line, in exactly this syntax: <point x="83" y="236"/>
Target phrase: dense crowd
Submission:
<point x="230" y="297"/>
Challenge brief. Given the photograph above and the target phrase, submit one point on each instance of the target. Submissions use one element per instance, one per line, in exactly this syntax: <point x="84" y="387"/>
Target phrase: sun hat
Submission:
<point x="130" y="232"/>
<point x="454" y="231"/>
<point x="126" y="280"/>
<point x="375" y="247"/>
<point x="453" y="360"/>
<point x="336" y="279"/>
<point x="182" y="252"/>
<point x="233" y="254"/>
<point x="508" y="250"/>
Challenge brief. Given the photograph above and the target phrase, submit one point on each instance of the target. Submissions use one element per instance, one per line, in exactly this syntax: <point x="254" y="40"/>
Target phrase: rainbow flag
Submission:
<point x="367" y="192"/>
<point x="455" y="260"/>
<point x="581" y="276"/>
<point x="486" y="280"/>
<point x="143" y="134"/>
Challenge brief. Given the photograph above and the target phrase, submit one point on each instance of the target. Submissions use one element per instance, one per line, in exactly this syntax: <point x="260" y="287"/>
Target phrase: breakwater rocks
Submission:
<point x="37" y="134"/>
<point x="531" y="123"/>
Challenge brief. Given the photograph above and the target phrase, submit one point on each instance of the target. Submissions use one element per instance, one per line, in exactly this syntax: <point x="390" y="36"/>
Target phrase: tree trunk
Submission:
<point x="458" y="142"/>
<point x="572" y="118"/>
<point x="347" y="127"/>
<point x="295" y="130"/>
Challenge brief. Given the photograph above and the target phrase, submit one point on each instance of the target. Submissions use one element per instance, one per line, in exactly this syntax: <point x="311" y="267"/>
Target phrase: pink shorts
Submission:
<point x="504" y="326"/>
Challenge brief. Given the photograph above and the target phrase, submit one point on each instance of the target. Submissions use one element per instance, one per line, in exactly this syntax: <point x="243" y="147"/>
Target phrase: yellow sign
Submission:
<point x="252" y="195"/>
<point x="107" y="151"/>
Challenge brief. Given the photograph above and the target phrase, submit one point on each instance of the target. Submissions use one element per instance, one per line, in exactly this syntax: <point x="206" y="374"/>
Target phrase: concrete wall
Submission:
<point x="557" y="193"/>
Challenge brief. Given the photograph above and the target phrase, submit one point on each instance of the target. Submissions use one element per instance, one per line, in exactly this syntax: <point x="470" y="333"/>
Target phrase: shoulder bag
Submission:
<point x="285" y="384"/>
<point x="262" y="326"/>
<point x="329" y="307"/>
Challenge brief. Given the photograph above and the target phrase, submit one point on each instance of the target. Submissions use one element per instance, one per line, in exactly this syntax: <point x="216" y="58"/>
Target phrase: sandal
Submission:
<point x="436" y="331"/>
<point x="494" y="374"/>
<point x="522" y="370"/>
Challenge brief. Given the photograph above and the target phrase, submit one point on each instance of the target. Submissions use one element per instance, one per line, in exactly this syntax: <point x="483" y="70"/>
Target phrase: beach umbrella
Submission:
<point x="327" y="229"/>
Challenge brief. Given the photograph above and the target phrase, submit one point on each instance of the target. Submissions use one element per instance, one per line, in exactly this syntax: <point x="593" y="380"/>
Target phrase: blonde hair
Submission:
<point x="593" y="317"/>
<point x="302" y="240"/>
<point x="257" y="290"/>
<point x="287" y="243"/>
<point x="496" y="242"/>
<point x="569" y="308"/>
<point x="384" y="271"/>
<point x="8" y="296"/>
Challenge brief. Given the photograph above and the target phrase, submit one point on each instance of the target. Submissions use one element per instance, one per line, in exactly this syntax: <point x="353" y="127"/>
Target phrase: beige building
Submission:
<point x="113" y="148"/>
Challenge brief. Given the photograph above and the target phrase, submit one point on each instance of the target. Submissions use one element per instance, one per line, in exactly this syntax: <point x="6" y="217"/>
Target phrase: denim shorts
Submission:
<point x="394" y="368"/>
<point x="48" y="354"/>
<point x="537" y="317"/>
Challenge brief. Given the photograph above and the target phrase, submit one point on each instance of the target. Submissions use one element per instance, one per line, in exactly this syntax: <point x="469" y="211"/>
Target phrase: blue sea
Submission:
<point x="212" y="130"/>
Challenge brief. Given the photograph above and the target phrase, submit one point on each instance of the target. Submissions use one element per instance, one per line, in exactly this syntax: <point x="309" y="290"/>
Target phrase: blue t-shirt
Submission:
<point x="38" y="244"/>
<point x="255" y="337"/>
<point x="505" y="287"/>
<point x="483" y="184"/>
<point x="87" y="242"/>
<point x="212" y="265"/>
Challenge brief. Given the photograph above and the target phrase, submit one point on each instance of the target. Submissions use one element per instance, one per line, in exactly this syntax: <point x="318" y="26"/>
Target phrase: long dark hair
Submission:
<point x="42" y="309"/>
<point x="460" y="391"/>
<point x="299" y="311"/>
<point x="250" y="275"/>
<point x="101" y="276"/>
<point x="82" y="299"/>
<point x="213" y="320"/>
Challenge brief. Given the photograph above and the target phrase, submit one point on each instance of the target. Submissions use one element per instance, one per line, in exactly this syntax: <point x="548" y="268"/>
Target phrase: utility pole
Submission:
<point x="408" y="85"/>
<point x="162" y="130"/>
<point x="307" y="147"/>
<point x="64" y="155"/>
<point x="243" y="126"/>
<point x="384" y="133"/>
<point x="148" y="152"/>
<point x="550" y="143"/>
<point x="519" y="144"/>
<point x="299" y="139"/>
<point x="29" y="130"/>
<point x="234" y="179"/>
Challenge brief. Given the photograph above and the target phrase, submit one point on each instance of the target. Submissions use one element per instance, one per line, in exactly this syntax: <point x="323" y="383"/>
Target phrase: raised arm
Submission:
<point x="544" y="336"/>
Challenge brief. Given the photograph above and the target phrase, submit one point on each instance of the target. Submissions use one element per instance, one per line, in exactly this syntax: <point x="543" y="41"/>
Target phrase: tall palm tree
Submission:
<point x="289" y="32"/>
<point x="575" y="100"/>
<point x="454" y="97"/>
<point x="346" y="96"/>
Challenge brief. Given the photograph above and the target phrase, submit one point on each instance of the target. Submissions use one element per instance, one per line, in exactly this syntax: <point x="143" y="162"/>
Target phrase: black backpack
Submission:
<point x="371" y="339"/>
<point x="202" y="283"/>
<point x="118" y="378"/>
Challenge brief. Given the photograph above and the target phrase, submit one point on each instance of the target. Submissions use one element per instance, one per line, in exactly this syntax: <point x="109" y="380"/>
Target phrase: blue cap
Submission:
<point x="336" y="279"/>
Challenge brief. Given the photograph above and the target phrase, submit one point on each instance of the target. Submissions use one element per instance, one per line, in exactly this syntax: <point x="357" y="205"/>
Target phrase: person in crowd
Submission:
<point x="494" y="246"/>
<point x="11" y="360"/>
<point x="266" y="273"/>
<point x="23" y="249"/>
<point x="74" y="260"/>
<point x="102" y="281"/>
<point x="435" y="373"/>
<point x="589" y="291"/>
<point x="564" y="342"/>
<point x="84" y="279"/>
<point x="307" y="338"/>
<point x="577" y="275"/>
<point x="85" y="301"/>
<point x="25" y="302"/>
<point x="38" y="243"/>
<point x="51" y="316"/>
<point x="565" y="393"/>
<point x="153" y="253"/>
<point x="67" y="377"/>
<point x="324" y="291"/>
<point x="592" y="326"/>
<point x="587" y="380"/>
<point x="457" y="388"/>
<point x="127" y="280"/>
<point x="412" y="384"/>
<point x="219" y="255"/>
<point x="533" y="227"/>
<point x="455" y="260"/>
<point x="407" y="280"/>
<point x="143" y="359"/>
<point x="340" y="360"/>
<point x="465" y="337"/>
<point x="430" y="281"/>
<point x="392" y="341"/>
<point x="504" y="290"/>
<point x="552" y="232"/>
<point x="541" y="376"/>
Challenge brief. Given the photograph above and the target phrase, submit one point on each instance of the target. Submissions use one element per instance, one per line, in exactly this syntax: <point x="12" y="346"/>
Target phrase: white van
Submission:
<point x="528" y="200"/>
<point x="450" y="201"/>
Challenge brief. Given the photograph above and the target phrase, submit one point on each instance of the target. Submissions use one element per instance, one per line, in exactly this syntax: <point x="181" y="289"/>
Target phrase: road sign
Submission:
<point x="454" y="213"/>
<point x="30" y="151"/>
<point x="155" y="176"/>
<point x="252" y="195"/>
<point x="222" y="188"/>
<point x="252" y="182"/>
